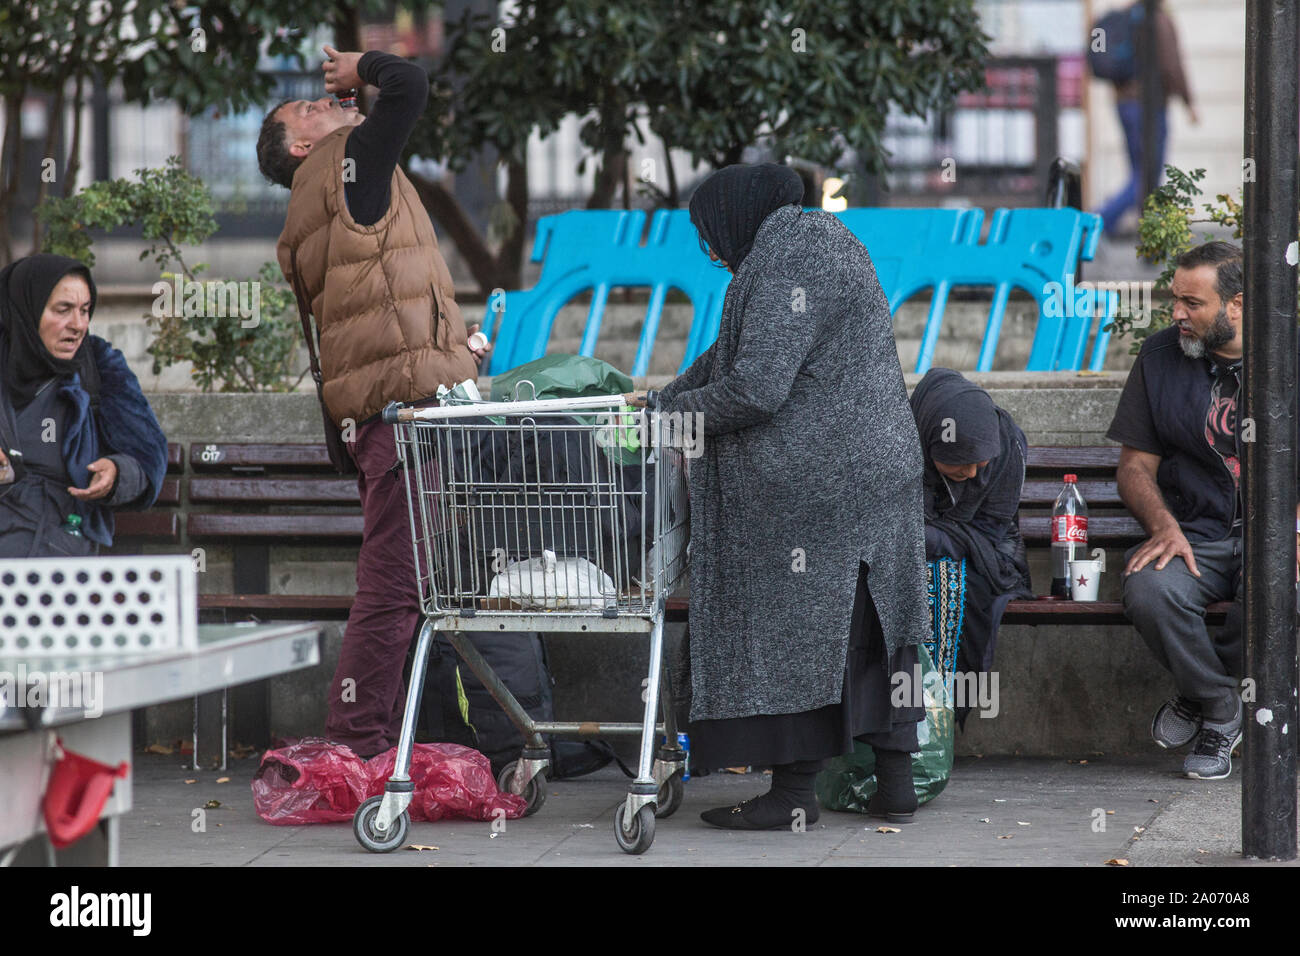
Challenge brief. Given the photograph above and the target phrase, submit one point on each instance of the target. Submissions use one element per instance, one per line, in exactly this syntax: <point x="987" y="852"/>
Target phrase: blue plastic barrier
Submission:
<point x="913" y="249"/>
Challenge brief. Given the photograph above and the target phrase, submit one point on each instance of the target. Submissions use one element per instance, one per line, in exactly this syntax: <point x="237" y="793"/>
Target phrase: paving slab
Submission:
<point x="1003" y="811"/>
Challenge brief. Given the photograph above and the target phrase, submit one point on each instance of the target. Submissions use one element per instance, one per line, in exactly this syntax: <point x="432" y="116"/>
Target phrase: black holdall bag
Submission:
<point x="340" y="458"/>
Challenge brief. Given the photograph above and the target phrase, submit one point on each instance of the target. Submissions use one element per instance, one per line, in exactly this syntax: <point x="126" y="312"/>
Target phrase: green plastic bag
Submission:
<point x="850" y="781"/>
<point x="575" y="376"/>
<point x="561" y="376"/>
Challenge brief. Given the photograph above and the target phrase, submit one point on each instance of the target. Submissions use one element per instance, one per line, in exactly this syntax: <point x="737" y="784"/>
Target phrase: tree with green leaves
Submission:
<point x="809" y="80"/>
<point x="174" y="209"/>
<point x="1166" y="231"/>
<point x="197" y="56"/>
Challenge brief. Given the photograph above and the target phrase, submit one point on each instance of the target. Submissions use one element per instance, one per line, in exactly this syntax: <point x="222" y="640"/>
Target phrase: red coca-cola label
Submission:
<point x="1070" y="529"/>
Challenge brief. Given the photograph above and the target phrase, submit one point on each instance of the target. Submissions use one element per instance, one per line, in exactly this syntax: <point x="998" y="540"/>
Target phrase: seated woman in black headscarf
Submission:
<point x="807" y="539"/>
<point x="974" y="470"/>
<point x="77" y="437"/>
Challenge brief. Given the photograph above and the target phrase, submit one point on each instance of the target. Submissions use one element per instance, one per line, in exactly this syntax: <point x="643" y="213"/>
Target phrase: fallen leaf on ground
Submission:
<point x="1023" y="823"/>
<point x="1110" y="813"/>
<point x="888" y="830"/>
<point x="1139" y="829"/>
<point x="999" y="799"/>
<point x="1005" y="836"/>
<point x="1117" y="862"/>
<point x="212" y="804"/>
<point x="223" y="780"/>
<point x="158" y="749"/>
<point x="191" y="780"/>
<point x="419" y="846"/>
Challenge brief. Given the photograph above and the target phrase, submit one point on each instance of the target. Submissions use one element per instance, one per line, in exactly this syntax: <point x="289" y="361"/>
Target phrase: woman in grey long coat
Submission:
<point x="808" y="537"/>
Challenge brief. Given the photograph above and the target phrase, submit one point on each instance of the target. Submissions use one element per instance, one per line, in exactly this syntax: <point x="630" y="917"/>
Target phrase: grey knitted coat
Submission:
<point x="811" y="462"/>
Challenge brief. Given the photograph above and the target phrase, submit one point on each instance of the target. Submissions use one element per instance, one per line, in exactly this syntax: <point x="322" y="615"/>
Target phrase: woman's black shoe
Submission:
<point x="895" y="798"/>
<point x="876" y="808"/>
<point x="760" y="813"/>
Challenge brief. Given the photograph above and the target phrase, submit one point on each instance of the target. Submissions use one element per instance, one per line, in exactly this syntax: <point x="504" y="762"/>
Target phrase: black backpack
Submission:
<point x="1120" y="30"/>
<point x="457" y="708"/>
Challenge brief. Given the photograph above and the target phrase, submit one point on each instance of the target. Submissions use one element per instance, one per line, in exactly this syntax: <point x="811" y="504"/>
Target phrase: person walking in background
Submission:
<point x="1114" y="56"/>
<point x="808" y="541"/>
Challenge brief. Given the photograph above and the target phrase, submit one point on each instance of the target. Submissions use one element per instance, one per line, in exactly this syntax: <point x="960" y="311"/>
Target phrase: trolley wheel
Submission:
<point x="377" y="841"/>
<point x="642" y="834"/>
<point x="670" y="796"/>
<point x="534" y="793"/>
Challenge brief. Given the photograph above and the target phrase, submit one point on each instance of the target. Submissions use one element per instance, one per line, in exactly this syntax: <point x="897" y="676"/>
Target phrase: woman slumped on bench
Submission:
<point x="974" y="471"/>
<point x="77" y="437"/>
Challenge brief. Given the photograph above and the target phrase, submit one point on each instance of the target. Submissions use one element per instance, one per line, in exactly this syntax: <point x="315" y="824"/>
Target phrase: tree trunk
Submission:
<point x="511" y="257"/>
<point x="346" y="22"/>
<point x="73" y="166"/>
<point x="54" y="127"/>
<point x="612" y="167"/>
<point x="447" y="212"/>
<point x="11" y="165"/>
<point x="674" y="197"/>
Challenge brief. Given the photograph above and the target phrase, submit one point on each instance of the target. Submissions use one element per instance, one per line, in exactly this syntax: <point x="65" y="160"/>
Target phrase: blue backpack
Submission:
<point x="1120" y="30"/>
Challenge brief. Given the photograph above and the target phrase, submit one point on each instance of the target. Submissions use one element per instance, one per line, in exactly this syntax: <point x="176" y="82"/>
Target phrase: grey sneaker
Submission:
<point x="1176" y="722"/>
<point x="1211" y="758"/>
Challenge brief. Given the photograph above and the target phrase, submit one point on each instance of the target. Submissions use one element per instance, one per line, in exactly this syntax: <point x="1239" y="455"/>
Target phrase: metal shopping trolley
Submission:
<point x="559" y="515"/>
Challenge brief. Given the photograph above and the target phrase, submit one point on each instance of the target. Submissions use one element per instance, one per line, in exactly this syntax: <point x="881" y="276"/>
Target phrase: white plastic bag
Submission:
<point x="551" y="582"/>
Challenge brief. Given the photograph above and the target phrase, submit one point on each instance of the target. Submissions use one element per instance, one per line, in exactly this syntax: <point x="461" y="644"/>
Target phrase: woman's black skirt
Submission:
<point x="864" y="713"/>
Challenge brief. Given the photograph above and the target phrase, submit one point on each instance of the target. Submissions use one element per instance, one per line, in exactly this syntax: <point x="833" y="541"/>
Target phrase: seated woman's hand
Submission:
<point x="103" y="476"/>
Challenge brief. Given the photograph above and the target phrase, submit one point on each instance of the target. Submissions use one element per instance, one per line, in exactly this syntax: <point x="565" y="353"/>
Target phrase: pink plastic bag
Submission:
<point x="314" y="781"/>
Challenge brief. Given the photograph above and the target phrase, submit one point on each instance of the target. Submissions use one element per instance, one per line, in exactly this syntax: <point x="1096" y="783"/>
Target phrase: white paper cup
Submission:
<point x="1085" y="580"/>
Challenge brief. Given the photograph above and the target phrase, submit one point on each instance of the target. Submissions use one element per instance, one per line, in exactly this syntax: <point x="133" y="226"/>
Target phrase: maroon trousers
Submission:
<point x="367" y="696"/>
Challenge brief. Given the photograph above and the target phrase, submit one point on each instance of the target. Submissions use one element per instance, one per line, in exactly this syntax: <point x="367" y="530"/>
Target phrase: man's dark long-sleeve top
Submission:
<point x="376" y="144"/>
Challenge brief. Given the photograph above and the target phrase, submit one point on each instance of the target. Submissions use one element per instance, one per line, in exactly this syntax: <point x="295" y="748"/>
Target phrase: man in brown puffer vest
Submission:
<point x="360" y="246"/>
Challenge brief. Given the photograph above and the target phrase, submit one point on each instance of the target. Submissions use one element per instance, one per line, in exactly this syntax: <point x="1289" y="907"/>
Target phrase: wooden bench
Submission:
<point x="264" y="494"/>
<point x="262" y="504"/>
<point x="161" y="524"/>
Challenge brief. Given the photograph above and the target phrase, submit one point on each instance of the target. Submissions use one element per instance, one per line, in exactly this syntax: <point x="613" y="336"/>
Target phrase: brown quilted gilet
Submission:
<point x="377" y="292"/>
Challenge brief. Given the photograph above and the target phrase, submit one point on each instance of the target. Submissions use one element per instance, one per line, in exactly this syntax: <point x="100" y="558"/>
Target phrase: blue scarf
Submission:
<point x="124" y="424"/>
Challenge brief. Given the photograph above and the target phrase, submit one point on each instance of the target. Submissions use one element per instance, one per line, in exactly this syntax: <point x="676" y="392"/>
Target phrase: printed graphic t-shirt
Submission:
<point x="1221" y="424"/>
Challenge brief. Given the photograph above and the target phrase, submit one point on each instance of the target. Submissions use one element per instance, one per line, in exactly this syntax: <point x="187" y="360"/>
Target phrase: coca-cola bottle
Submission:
<point x="1069" y="534"/>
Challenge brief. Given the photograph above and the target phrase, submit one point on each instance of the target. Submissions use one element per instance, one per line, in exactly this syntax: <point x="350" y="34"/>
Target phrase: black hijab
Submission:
<point x="731" y="204"/>
<point x="25" y="287"/>
<point x="959" y="424"/>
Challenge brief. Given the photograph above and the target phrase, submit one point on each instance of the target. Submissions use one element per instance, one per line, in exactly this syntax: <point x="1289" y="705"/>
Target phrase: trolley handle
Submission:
<point x="394" y="412"/>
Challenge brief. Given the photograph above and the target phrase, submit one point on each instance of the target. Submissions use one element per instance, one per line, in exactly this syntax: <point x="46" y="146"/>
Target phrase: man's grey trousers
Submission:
<point x="1168" y="609"/>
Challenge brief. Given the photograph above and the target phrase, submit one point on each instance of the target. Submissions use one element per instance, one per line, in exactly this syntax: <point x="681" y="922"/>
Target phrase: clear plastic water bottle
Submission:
<point x="1069" y="534"/>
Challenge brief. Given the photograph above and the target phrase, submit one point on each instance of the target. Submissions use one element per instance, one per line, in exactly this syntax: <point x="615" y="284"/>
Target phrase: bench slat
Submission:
<point x="1080" y="459"/>
<point x="163" y="526"/>
<point x="302" y="606"/>
<point x="274" y="490"/>
<point x="316" y="526"/>
<point x="218" y="456"/>
<point x="1101" y="494"/>
<point x="1113" y="530"/>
